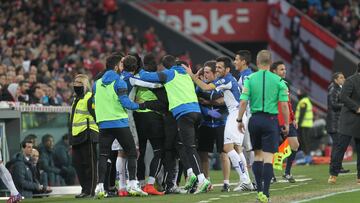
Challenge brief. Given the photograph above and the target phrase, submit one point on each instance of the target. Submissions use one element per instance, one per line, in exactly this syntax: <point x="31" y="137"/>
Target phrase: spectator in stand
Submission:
<point x="150" y="39"/>
<point x="22" y="171"/>
<point x="11" y="93"/>
<point x="62" y="160"/>
<point x="38" y="96"/>
<point x="24" y="87"/>
<point x="47" y="162"/>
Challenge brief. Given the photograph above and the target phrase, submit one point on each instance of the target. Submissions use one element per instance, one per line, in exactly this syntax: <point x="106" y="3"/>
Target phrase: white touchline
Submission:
<point x="247" y="193"/>
<point x="325" y="196"/>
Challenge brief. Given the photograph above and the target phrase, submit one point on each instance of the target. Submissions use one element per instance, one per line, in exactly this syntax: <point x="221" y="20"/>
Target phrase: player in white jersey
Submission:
<point x="233" y="138"/>
<point x="241" y="62"/>
<point x="8" y="181"/>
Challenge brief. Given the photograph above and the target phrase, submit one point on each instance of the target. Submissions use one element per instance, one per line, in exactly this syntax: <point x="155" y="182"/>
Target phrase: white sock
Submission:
<point x="7" y="180"/>
<point x="176" y="172"/>
<point x="100" y="186"/>
<point x="201" y="178"/>
<point x="189" y="172"/>
<point x="151" y="180"/>
<point x="243" y="160"/>
<point x="121" y="171"/>
<point x="238" y="165"/>
<point x="226" y="182"/>
<point x="132" y="183"/>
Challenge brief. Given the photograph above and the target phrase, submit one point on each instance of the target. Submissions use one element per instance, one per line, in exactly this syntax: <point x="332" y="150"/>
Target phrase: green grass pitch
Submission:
<point x="280" y="192"/>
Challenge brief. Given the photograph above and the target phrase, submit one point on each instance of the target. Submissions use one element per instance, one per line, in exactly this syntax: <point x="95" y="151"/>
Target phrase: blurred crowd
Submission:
<point x="43" y="44"/>
<point x="340" y="17"/>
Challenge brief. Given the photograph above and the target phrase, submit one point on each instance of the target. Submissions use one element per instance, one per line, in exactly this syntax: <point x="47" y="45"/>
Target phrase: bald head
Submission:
<point x="263" y="59"/>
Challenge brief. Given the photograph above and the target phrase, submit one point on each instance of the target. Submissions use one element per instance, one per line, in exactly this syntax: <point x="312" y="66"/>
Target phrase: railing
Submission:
<point x="19" y="121"/>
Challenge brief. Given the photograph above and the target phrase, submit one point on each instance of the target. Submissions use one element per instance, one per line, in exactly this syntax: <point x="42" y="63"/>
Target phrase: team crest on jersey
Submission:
<point x="221" y="81"/>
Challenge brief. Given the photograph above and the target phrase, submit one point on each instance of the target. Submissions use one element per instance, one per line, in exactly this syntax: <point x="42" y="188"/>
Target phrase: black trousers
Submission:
<point x="171" y="154"/>
<point x="150" y="126"/>
<point x="335" y="138"/>
<point x="187" y="124"/>
<point x="110" y="175"/>
<point x="84" y="161"/>
<point x="338" y="154"/>
<point x="126" y="140"/>
<point x="304" y="139"/>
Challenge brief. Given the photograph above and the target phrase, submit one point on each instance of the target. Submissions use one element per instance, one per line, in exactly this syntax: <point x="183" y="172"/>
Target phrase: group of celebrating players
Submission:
<point x="137" y="102"/>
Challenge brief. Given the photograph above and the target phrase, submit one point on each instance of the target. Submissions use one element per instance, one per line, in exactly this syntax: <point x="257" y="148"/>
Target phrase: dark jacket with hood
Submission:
<point x="22" y="173"/>
<point x="334" y="108"/>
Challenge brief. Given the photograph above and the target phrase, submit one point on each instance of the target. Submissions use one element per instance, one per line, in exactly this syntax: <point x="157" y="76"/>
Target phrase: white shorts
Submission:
<point x="116" y="146"/>
<point x="232" y="134"/>
<point x="247" y="141"/>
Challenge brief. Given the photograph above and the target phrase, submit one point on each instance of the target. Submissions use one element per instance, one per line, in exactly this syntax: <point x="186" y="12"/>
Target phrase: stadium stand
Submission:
<point x="43" y="44"/>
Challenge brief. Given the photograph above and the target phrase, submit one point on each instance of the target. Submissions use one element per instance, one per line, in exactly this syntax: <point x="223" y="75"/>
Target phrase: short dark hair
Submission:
<point x="130" y="63"/>
<point x="168" y="61"/>
<point x="30" y="137"/>
<point x="211" y="64"/>
<point x="244" y="55"/>
<point x="113" y="60"/>
<point x="23" y="82"/>
<point x="46" y="137"/>
<point x="336" y="76"/>
<point x="26" y="141"/>
<point x="150" y="63"/>
<point x="275" y="65"/>
<point x="139" y="62"/>
<point x="226" y="60"/>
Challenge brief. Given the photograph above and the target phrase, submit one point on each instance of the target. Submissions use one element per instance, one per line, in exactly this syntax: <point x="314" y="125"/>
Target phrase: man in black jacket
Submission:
<point x="349" y="125"/>
<point x="22" y="172"/>
<point x="334" y="108"/>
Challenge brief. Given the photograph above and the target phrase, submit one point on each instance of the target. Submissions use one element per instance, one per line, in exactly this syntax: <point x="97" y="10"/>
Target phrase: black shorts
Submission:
<point x="264" y="132"/>
<point x="207" y="136"/>
<point x="149" y="125"/>
<point x="292" y="131"/>
<point x="123" y="136"/>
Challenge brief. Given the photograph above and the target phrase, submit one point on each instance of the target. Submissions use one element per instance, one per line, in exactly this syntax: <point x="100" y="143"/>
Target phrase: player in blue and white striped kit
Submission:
<point x="233" y="138"/>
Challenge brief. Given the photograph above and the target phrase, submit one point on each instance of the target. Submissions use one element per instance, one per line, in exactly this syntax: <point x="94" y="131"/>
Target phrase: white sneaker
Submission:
<point x="135" y="190"/>
<point x="244" y="187"/>
<point x="100" y="192"/>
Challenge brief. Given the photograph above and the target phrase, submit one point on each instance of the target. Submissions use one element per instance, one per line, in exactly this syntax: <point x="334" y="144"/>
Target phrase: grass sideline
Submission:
<point x="280" y="192"/>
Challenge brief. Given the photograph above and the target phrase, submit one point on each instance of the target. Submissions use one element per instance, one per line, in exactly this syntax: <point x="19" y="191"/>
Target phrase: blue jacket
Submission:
<point x="208" y="120"/>
<point x="120" y="87"/>
<point x="164" y="77"/>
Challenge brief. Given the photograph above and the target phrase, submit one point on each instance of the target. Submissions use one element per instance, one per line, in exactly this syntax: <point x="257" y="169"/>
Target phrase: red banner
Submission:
<point x="221" y="22"/>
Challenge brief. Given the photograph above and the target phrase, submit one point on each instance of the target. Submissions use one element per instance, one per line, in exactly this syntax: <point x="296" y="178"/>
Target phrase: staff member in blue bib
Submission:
<point x="183" y="104"/>
<point x="111" y="102"/>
